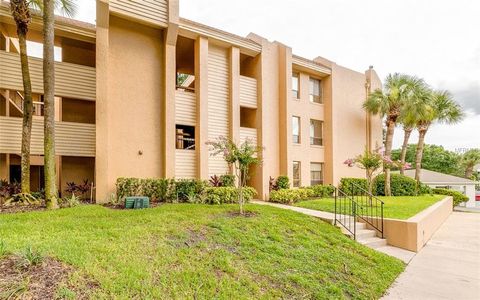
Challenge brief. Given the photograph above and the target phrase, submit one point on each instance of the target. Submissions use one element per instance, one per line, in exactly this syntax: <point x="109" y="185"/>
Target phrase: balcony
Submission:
<point x="71" y="139"/>
<point x="185" y="107"/>
<point x="71" y="80"/>
<point x="248" y="133"/>
<point x="248" y="92"/>
<point x="185" y="163"/>
<point x="153" y="12"/>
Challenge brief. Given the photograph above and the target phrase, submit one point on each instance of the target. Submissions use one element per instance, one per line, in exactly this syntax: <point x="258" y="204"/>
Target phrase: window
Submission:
<point x="315" y="91"/>
<point x="295" y="86"/>
<point x="316" y="132"/>
<point x="185" y="137"/>
<point x="296" y="174"/>
<point x="316" y="173"/>
<point x="296" y="129"/>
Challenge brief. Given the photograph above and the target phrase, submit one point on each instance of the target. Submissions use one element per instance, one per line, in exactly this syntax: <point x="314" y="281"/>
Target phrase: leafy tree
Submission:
<point x="371" y="162"/>
<point x="389" y="103"/>
<point x="240" y="157"/>
<point x="441" y="108"/>
<point x="469" y="160"/>
<point x="435" y="158"/>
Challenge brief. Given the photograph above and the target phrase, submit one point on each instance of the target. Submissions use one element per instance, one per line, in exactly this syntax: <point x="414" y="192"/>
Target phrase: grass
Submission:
<point x="401" y="207"/>
<point x="203" y="252"/>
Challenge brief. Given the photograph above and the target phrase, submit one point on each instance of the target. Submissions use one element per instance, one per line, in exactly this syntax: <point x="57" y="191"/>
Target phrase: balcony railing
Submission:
<point x="248" y="92"/>
<point x="71" y="80"/>
<point x="71" y="139"/>
<point x="249" y="134"/>
<point x="185" y="107"/>
<point x="316" y="141"/>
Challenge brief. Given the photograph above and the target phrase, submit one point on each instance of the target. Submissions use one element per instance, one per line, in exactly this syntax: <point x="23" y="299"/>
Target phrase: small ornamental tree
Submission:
<point x="239" y="157"/>
<point x="372" y="163"/>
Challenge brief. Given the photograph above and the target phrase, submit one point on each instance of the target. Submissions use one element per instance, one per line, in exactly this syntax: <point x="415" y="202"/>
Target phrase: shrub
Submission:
<point x="70" y="201"/>
<point x="215" y="181"/>
<point x="290" y="196"/>
<point x="283" y="182"/>
<point x="128" y="187"/>
<point x="227" y="180"/>
<point x="188" y="190"/>
<point x="157" y="189"/>
<point x="322" y="191"/>
<point x="425" y="189"/>
<point x="401" y="185"/>
<point x="221" y="195"/>
<point x="354" y="186"/>
<point x="79" y="190"/>
<point x="457" y="196"/>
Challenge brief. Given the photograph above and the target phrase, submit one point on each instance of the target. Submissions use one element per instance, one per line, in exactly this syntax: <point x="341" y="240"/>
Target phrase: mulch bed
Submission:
<point x="41" y="281"/>
<point x="11" y="209"/>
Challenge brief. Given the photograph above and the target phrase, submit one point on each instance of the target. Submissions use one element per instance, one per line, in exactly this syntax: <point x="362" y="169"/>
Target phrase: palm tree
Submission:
<point x="441" y="108"/>
<point x="51" y="192"/>
<point x="20" y="10"/>
<point x="469" y="160"/>
<point x="389" y="103"/>
<point x="410" y="113"/>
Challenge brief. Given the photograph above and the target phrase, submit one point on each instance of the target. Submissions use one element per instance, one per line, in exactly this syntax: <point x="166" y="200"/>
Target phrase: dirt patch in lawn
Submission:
<point x="246" y="214"/>
<point x="45" y="280"/>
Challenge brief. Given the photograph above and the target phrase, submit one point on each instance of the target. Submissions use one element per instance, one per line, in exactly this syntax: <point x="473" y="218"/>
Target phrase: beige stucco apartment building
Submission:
<point x="141" y="93"/>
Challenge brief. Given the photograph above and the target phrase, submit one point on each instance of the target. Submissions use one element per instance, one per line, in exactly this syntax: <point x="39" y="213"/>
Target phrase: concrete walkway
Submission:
<point x="448" y="267"/>
<point x="372" y="242"/>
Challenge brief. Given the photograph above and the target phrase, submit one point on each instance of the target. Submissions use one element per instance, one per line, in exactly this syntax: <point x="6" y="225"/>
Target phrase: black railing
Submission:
<point x="358" y="204"/>
<point x="369" y="208"/>
<point x="345" y="212"/>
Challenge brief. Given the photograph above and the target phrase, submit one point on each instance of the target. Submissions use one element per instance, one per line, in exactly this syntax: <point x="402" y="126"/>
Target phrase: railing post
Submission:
<point x="354" y="220"/>
<point x="335" y="219"/>
<point x="381" y="211"/>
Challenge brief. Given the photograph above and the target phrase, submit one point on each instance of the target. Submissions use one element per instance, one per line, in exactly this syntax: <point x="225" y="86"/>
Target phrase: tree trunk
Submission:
<point x="388" y="152"/>
<point x="406" y="136"/>
<point x="49" y="98"/>
<point x="422" y="131"/>
<point x="27" y="112"/>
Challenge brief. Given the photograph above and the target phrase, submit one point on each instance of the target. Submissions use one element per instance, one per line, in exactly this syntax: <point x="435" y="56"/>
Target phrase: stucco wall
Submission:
<point x="414" y="233"/>
<point x="348" y="121"/>
<point x="131" y="134"/>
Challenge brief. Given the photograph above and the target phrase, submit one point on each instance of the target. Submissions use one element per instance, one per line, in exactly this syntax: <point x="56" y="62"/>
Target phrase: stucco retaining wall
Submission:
<point x="412" y="234"/>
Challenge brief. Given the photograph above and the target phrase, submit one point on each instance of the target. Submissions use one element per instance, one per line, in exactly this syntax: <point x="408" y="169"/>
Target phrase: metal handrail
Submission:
<point x="345" y="211"/>
<point x="365" y="207"/>
<point x="369" y="208"/>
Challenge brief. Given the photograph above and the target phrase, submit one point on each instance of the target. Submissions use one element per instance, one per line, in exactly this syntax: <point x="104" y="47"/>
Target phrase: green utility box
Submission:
<point x="137" y="202"/>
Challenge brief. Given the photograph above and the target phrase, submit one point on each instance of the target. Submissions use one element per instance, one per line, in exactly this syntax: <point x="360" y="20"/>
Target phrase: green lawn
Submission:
<point x="199" y="251"/>
<point x="401" y="207"/>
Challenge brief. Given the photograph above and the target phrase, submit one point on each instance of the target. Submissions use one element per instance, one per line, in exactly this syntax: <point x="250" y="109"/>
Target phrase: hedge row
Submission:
<point x="400" y="185"/>
<point x="181" y="190"/>
<point x="290" y="196"/>
<point x="457" y="196"/>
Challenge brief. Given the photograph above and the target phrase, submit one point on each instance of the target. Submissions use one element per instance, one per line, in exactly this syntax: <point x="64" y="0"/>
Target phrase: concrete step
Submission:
<point x="365" y="233"/>
<point x="360" y="226"/>
<point x="373" y="242"/>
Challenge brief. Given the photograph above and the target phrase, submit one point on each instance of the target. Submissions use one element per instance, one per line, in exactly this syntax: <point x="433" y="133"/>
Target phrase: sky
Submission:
<point x="437" y="40"/>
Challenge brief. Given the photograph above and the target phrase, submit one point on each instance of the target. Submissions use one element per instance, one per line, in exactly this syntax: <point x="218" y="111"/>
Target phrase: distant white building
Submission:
<point x="439" y="180"/>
